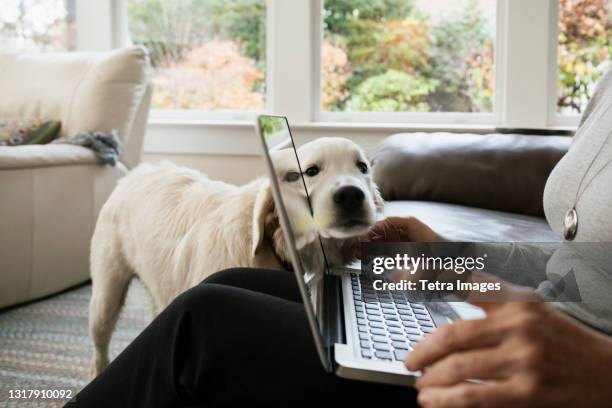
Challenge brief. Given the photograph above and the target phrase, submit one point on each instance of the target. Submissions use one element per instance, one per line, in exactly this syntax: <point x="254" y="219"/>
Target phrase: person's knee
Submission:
<point x="227" y="275"/>
<point x="198" y="299"/>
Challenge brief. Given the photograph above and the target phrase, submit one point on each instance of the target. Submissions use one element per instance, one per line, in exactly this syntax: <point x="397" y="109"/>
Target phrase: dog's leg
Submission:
<point x="111" y="276"/>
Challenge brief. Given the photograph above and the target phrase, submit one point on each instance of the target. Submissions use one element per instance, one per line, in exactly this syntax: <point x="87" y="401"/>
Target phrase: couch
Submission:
<point x="50" y="195"/>
<point x="469" y="187"/>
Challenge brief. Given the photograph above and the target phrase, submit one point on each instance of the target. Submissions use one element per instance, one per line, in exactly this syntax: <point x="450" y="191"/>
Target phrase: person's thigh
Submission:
<point x="289" y="345"/>
<point x="272" y="282"/>
<point x="266" y="354"/>
<point x="221" y="345"/>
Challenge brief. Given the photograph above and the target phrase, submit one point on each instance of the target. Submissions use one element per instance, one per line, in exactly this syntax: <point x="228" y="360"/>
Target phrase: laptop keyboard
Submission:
<point x="389" y="325"/>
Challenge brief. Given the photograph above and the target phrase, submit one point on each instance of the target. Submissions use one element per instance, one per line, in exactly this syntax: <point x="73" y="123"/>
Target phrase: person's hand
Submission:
<point x="399" y="229"/>
<point x="527" y="354"/>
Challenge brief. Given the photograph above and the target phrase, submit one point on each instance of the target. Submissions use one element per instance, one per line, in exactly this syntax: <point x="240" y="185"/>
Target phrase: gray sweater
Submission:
<point x="595" y="203"/>
<point x="594" y="208"/>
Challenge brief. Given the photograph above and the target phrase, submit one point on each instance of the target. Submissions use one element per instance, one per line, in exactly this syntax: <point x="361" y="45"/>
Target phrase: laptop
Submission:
<point x="359" y="333"/>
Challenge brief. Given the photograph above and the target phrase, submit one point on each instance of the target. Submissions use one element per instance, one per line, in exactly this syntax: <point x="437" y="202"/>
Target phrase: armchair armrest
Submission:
<point x="17" y="157"/>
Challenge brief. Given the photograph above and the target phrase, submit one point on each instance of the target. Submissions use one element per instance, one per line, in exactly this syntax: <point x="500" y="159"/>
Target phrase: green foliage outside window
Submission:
<point x="377" y="55"/>
<point x="584" y="51"/>
<point x="208" y="54"/>
<point x="399" y="59"/>
<point x="393" y="91"/>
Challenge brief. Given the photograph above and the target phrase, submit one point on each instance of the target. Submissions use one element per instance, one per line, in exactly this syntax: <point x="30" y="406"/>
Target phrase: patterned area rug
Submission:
<point x="45" y="345"/>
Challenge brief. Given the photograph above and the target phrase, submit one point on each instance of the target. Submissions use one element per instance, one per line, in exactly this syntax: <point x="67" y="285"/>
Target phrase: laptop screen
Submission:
<point x="295" y="198"/>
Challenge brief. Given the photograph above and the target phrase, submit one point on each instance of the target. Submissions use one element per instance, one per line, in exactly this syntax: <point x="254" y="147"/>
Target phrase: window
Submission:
<point x="207" y="54"/>
<point x="408" y="56"/>
<point x="444" y="64"/>
<point x="37" y="25"/>
<point x="584" y="51"/>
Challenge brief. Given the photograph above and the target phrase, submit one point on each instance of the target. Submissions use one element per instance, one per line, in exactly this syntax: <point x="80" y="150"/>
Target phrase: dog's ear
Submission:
<point x="379" y="203"/>
<point x="262" y="209"/>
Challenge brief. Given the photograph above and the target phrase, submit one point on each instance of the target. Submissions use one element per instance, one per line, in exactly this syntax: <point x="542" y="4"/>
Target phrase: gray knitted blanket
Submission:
<point x="106" y="146"/>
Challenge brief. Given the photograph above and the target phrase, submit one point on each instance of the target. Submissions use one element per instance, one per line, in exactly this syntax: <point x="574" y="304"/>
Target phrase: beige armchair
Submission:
<point x="50" y="195"/>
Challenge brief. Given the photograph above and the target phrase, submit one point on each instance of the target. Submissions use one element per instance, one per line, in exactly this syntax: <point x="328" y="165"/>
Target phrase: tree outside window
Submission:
<point x="408" y="55"/>
<point x="37" y="25"/>
<point x="207" y="54"/>
<point x="584" y="51"/>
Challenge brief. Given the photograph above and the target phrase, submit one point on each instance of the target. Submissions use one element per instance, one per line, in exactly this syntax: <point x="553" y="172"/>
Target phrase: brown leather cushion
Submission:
<point x="505" y="172"/>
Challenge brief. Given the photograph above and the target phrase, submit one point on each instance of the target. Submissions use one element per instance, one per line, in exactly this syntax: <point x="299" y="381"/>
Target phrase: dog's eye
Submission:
<point x="312" y="171"/>
<point x="292" y="176"/>
<point x="362" y="167"/>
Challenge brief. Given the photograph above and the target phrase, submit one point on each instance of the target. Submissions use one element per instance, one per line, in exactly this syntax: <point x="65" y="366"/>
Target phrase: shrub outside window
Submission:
<point x="206" y="54"/>
<point x="584" y="51"/>
<point x="408" y="56"/>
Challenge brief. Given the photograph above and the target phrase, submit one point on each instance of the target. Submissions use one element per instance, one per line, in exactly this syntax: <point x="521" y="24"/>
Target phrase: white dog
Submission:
<point x="172" y="227"/>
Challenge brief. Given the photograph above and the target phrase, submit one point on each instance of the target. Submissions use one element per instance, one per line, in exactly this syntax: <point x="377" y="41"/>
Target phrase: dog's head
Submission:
<point x="343" y="197"/>
<point x="338" y="178"/>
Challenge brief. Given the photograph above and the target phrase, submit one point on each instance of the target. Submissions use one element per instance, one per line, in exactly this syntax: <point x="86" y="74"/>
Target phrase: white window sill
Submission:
<point x="237" y="137"/>
<point x="357" y="126"/>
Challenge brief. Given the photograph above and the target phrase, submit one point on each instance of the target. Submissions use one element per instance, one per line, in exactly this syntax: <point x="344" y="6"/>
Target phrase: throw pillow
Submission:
<point x="23" y="132"/>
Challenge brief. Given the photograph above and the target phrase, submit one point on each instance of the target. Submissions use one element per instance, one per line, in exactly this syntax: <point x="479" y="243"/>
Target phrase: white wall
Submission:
<point x="228" y="168"/>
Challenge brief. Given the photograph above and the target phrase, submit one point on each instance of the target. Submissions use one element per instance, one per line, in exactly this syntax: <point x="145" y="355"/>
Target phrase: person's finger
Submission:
<point x="499" y="394"/>
<point x="484" y="364"/>
<point x="367" y="237"/>
<point x="373" y="234"/>
<point x="407" y="229"/>
<point x="397" y="229"/>
<point x="458" y="336"/>
<point x="389" y="231"/>
<point x="420" y="231"/>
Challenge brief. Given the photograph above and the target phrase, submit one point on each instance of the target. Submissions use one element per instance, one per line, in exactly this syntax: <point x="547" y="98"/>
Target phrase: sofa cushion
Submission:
<point x="505" y="172"/>
<point x="469" y="224"/>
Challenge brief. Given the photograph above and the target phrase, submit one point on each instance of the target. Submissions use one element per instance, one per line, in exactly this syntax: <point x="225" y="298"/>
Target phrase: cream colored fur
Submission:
<point x="172" y="227"/>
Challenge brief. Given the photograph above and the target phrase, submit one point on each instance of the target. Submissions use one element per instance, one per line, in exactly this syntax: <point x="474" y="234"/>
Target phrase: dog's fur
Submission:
<point x="172" y="227"/>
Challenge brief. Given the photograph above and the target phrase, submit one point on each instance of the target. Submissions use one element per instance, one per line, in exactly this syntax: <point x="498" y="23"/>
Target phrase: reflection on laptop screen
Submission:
<point x="294" y="194"/>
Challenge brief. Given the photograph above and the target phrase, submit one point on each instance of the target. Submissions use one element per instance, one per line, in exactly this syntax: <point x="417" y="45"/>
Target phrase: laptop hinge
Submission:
<point x="335" y="311"/>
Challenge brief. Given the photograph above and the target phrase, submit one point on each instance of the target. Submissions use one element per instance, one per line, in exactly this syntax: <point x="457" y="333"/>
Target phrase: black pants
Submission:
<point x="241" y="336"/>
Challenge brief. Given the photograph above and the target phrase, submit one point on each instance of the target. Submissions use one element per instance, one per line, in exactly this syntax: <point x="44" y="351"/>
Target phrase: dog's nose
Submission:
<point x="349" y="198"/>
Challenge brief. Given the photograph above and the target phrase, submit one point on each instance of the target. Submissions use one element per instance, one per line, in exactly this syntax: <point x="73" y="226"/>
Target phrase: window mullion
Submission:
<point x="119" y="27"/>
<point x="289" y="58"/>
<point x="526" y="59"/>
